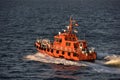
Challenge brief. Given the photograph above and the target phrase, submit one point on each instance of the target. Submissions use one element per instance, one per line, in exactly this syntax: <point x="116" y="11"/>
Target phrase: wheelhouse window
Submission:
<point x="57" y="51"/>
<point x="58" y="40"/>
<point x="75" y="45"/>
<point x="68" y="44"/>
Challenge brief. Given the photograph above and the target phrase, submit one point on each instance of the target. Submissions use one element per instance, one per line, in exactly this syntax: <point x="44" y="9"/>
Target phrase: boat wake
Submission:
<point x="98" y="66"/>
<point x="49" y="59"/>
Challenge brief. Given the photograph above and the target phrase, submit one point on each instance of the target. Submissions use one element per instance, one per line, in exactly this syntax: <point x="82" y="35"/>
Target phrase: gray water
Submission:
<point x="22" y="21"/>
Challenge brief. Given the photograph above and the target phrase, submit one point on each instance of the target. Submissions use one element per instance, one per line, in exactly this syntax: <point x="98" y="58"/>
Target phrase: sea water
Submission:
<point x="23" y="21"/>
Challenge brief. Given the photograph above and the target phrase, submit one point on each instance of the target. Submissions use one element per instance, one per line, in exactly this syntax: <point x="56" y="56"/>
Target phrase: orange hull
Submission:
<point x="67" y="55"/>
<point x="66" y="45"/>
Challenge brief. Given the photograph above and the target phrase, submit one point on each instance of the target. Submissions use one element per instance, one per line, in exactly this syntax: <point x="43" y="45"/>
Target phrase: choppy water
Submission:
<point x="22" y="21"/>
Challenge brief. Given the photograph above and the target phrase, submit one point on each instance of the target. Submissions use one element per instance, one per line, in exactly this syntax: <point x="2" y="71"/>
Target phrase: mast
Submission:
<point x="70" y="26"/>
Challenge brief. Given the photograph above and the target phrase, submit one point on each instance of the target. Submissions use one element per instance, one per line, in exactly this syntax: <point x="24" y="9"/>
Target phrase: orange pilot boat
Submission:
<point x="67" y="45"/>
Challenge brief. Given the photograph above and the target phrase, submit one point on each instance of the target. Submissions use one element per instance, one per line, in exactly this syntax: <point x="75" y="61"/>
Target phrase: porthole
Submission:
<point x="68" y="53"/>
<point x="48" y="49"/>
<point x="51" y="50"/>
<point x="63" y="52"/>
<point x="75" y="54"/>
<point x="67" y="44"/>
<point x="57" y="51"/>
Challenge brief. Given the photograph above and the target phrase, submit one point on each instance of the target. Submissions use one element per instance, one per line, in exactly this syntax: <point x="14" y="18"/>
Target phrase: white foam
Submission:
<point x="113" y="60"/>
<point x="49" y="59"/>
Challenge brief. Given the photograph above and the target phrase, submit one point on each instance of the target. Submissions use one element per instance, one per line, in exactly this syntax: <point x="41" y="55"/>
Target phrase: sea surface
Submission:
<point x="23" y="21"/>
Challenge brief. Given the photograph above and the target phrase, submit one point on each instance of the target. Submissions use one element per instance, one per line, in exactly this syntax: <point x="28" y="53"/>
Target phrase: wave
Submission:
<point x="112" y="60"/>
<point x="49" y="59"/>
<point x="98" y="66"/>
